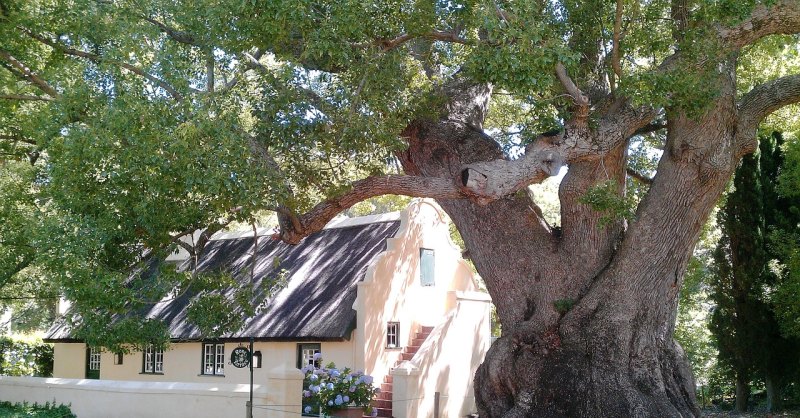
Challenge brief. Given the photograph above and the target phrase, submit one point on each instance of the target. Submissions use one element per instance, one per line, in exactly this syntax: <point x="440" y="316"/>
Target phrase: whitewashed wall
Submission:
<point x="279" y="397"/>
<point x="446" y="362"/>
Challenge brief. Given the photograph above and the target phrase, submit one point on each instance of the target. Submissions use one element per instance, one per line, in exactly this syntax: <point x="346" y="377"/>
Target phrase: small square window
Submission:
<point x="393" y="335"/>
<point x="118" y="358"/>
<point x="305" y="355"/>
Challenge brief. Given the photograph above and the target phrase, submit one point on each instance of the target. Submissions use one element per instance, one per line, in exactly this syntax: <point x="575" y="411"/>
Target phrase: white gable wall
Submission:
<point x="391" y="290"/>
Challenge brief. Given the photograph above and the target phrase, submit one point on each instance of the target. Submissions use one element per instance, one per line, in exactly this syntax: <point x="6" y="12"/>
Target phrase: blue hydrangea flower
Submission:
<point x="352" y="389"/>
<point x="317" y="356"/>
<point x="307" y="409"/>
<point x="330" y="403"/>
<point x="368" y="379"/>
<point x="330" y="386"/>
<point x="346" y="398"/>
<point x="313" y="377"/>
<point x="306" y="393"/>
<point x="338" y="400"/>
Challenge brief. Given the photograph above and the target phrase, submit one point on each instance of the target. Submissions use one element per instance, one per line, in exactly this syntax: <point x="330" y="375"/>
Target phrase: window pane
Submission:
<point x="305" y="355"/>
<point x="94" y="359"/>
<point x="220" y="359"/>
<point x="208" y="359"/>
<point x="426" y="267"/>
<point x="392" y="334"/>
<point x="159" y="361"/>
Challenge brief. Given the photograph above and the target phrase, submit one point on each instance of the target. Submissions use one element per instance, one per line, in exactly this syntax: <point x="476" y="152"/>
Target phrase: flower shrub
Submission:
<point x="328" y="389"/>
<point x="21" y="357"/>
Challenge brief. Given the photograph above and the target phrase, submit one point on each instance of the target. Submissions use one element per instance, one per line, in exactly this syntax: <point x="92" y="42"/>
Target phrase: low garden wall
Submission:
<point x="279" y="397"/>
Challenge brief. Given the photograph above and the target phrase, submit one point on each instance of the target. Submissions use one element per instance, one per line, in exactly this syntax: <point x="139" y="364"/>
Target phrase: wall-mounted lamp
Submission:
<point x="256" y="359"/>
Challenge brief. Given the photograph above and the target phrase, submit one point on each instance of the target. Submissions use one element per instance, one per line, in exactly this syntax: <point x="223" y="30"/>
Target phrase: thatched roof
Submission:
<point x="321" y="272"/>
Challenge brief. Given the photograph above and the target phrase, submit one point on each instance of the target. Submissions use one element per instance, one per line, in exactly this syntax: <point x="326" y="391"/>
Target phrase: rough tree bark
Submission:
<point x="588" y="310"/>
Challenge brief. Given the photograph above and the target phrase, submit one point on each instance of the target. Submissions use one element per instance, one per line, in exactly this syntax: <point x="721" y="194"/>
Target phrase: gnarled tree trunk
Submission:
<point x="588" y="310"/>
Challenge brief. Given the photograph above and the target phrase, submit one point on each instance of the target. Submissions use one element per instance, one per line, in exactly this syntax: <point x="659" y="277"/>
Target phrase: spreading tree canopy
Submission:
<point x="145" y="120"/>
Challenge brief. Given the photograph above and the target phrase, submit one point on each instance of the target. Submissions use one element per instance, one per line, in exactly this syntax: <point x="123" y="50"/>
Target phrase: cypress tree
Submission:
<point x="747" y="333"/>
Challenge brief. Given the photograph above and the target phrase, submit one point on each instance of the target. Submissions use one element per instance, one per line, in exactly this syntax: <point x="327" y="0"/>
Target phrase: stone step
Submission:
<point x="385" y="396"/>
<point x="386" y="387"/>
<point x="387" y="378"/>
<point x="406" y="356"/>
<point x="426" y="329"/>
<point x="411" y="349"/>
<point x="382" y="403"/>
<point x="416" y="342"/>
<point x="383" y="412"/>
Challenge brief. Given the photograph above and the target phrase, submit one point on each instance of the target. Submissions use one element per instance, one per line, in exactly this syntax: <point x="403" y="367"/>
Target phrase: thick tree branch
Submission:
<point x="287" y="219"/>
<point x="650" y="128"/>
<point x="251" y="61"/>
<point x="578" y="97"/>
<point x="762" y="100"/>
<point x="177" y="35"/>
<point x="782" y="18"/>
<point x="638" y="176"/>
<point x="492" y="180"/>
<point x="22" y="70"/>
<point x="414" y="186"/>
<point x="210" y="72"/>
<point x="98" y="59"/>
<point x="389" y="44"/>
<point x="615" y="52"/>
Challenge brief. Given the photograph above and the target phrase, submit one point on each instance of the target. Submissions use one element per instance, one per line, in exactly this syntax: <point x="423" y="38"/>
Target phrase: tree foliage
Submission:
<point x="747" y="274"/>
<point x="147" y="120"/>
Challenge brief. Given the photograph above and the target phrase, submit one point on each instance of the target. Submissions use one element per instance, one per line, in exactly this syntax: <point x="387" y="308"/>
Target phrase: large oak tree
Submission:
<point x="148" y="119"/>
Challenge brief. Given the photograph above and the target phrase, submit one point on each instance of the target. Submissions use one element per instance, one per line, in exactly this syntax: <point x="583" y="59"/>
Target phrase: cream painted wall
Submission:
<point x="391" y="290"/>
<point x="182" y="362"/>
<point x="446" y="363"/>
<point x="69" y="361"/>
<point x="135" y="399"/>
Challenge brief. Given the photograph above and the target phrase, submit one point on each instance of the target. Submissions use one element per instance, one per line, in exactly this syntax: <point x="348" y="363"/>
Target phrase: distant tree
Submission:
<point x="743" y="323"/>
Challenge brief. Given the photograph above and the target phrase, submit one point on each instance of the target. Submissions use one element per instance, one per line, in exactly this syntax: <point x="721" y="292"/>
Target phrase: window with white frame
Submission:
<point x="213" y="359"/>
<point x="305" y="354"/>
<point x="393" y="335"/>
<point x="152" y="360"/>
<point x="94" y="358"/>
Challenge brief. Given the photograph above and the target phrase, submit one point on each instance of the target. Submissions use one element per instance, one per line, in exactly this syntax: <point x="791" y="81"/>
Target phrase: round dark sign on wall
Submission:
<point x="240" y="357"/>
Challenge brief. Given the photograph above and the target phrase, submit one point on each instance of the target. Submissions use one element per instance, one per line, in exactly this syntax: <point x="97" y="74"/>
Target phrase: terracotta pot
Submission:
<point x="352" y="412"/>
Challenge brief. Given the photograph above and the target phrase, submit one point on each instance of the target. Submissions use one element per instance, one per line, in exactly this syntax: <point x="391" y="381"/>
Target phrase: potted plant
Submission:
<point x="331" y="391"/>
